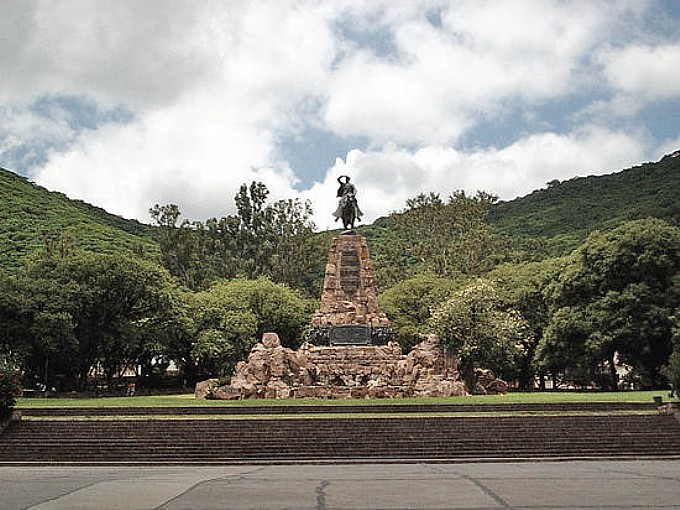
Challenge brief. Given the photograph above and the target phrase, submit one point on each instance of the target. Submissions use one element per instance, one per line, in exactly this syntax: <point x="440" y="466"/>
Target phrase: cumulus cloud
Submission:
<point x="187" y="100"/>
<point x="143" y="54"/>
<point x="445" y="78"/>
<point x="386" y="178"/>
<point x="644" y="71"/>
<point x="197" y="150"/>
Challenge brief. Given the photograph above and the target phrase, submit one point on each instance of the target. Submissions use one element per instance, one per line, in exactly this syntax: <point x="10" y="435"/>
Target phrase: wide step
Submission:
<point x="324" y="439"/>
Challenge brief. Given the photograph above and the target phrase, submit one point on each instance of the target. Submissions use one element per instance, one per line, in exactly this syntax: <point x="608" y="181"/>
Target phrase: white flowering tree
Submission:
<point x="474" y="324"/>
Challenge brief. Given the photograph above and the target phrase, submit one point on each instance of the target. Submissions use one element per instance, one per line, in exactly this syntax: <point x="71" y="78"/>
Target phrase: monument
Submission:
<point x="348" y="313"/>
<point x="349" y="351"/>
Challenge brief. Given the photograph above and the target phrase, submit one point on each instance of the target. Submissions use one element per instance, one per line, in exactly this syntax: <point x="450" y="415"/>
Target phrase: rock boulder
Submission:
<point x="352" y="371"/>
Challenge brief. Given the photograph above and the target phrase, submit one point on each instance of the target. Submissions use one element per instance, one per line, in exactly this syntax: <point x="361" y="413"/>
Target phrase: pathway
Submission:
<point x="611" y="484"/>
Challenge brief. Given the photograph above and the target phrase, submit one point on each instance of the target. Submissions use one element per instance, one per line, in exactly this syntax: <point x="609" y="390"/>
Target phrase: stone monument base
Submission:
<point x="333" y="372"/>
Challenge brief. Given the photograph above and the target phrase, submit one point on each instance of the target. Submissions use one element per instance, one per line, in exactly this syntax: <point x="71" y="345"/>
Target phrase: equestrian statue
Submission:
<point x="348" y="209"/>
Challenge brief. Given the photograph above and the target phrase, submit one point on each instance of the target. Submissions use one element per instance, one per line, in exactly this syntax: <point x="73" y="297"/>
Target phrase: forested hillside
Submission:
<point x="562" y="215"/>
<point x="32" y="217"/>
<point x="490" y="289"/>
<point x="566" y="212"/>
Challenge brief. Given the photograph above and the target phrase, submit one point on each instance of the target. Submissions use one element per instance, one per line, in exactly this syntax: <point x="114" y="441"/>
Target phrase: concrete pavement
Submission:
<point x="610" y="484"/>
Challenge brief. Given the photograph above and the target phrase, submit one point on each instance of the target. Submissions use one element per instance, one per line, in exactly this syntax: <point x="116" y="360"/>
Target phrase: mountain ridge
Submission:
<point x="29" y="214"/>
<point x="565" y="212"/>
<point x="562" y="215"/>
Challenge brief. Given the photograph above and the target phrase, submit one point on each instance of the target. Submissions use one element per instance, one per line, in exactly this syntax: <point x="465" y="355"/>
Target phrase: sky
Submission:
<point x="128" y="104"/>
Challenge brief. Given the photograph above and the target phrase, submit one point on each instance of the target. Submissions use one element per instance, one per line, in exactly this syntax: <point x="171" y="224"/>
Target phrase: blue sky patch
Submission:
<point x="52" y="124"/>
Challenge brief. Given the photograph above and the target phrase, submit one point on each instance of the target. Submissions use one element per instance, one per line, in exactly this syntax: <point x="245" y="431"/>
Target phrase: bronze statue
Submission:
<point x="348" y="208"/>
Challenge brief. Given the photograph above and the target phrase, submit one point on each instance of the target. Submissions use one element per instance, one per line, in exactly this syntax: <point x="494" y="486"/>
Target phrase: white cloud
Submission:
<point x="213" y="88"/>
<point x="223" y="130"/>
<point x="485" y="55"/>
<point x="387" y="177"/>
<point x="139" y="53"/>
<point x="196" y="155"/>
<point x="644" y="71"/>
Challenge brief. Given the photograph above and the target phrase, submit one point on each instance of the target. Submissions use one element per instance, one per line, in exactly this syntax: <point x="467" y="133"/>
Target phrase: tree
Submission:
<point x="35" y="331"/>
<point x="95" y="310"/>
<point x="231" y="316"/>
<point x="261" y="239"/>
<point x="10" y="388"/>
<point x="180" y="334"/>
<point x="186" y="249"/>
<point x="562" y="350"/>
<point x="672" y="369"/>
<point x="409" y="303"/>
<point x="522" y="287"/>
<point x="447" y="239"/>
<point x="614" y="300"/>
<point x="295" y="258"/>
<point x="275" y="307"/>
<point x="217" y="349"/>
<point x="16" y="319"/>
<point x="474" y="324"/>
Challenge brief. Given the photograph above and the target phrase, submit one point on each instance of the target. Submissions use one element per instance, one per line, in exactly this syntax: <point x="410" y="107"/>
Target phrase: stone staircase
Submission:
<point x="335" y="408"/>
<point x="222" y="436"/>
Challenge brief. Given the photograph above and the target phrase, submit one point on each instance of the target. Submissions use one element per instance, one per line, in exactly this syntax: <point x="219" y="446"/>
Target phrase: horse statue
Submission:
<point x="348" y="208"/>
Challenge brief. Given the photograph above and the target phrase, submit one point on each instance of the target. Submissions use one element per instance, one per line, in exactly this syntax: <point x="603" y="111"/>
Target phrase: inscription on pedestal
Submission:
<point x="350" y="334"/>
<point x="349" y="270"/>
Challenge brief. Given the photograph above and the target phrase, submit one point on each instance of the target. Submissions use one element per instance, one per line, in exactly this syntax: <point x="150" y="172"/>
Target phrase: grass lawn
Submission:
<point x="188" y="400"/>
<point x="324" y="416"/>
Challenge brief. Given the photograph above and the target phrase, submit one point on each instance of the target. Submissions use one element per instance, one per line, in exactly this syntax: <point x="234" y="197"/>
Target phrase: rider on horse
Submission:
<point x="348" y="209"/>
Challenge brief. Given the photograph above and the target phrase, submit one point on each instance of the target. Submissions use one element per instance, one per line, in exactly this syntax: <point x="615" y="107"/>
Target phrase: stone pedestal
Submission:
<point x="349" y="297"/>
<point x="352" y="371"/>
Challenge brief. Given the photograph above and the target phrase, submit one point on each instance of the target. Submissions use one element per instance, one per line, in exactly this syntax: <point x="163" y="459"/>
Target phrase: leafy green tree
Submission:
<point x="261" y="239"/>
<point x="446" y="238"/>
<point x="100" y="306"/>
<point x="10" y="388"/>
<point x="16" y="319"/>
<point x="275" y="307"/>
<point x="34" y="330"/>
<point x="225" y="321"/>
<point x="217" y="350"/>
<point x="295" y="258"/>
<point x="522" y="287"/>
<point x="180" y="333"/>
<point x="255" y="235"/>
<point x="672" y="369"/>
<point x="616" y="299"/>
<point x="185" y="248"/>
<point x="563" y="352"/>
<point x="475" y="325"/>
<point x="409" y="303"/>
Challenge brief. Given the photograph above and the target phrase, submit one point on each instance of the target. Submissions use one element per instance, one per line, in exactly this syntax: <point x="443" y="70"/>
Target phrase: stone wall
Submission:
<point x="273" y="371"/>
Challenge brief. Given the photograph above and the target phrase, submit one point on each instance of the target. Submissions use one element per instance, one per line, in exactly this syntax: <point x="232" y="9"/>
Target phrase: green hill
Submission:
<point x="562" y="215"/>
<point x="566" y="212"/>
<point x="29" y="213"/>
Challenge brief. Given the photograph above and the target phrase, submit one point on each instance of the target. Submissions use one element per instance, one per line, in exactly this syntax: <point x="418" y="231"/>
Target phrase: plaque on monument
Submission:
<point x="350" y="334"/>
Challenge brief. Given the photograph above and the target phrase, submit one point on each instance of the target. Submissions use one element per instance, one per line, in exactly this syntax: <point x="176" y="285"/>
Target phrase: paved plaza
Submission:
<point x="610" y="484"/>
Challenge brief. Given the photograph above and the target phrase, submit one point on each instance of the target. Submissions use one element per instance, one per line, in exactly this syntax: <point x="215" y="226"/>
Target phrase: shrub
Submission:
<point x="10" y="388"/>
<point x="672" y="370"/>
